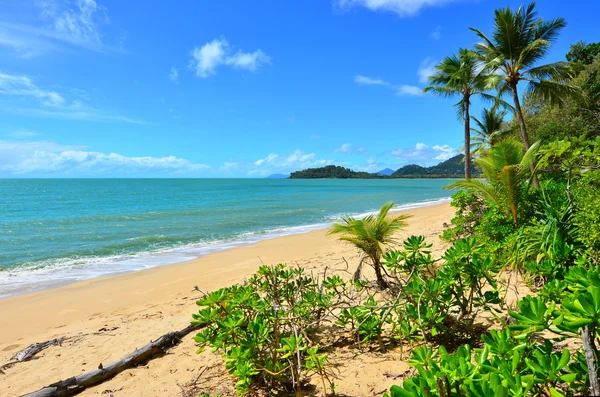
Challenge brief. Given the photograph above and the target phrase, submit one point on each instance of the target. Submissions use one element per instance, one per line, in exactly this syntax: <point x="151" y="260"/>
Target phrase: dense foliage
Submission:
<point x="549" y="234"/>
<point x="535" y="213"/>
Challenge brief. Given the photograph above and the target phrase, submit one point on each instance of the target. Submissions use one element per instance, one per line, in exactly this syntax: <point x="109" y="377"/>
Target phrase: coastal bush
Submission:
<point x="587" y="212"/>
<point x="263" y="328"/>
<point x="370" y="235"/>
<point x="527" y="358"/>
<point x="464" y="280"/>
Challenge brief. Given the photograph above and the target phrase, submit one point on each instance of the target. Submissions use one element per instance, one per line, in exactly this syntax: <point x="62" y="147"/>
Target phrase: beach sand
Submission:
<point x="106" y="318"/>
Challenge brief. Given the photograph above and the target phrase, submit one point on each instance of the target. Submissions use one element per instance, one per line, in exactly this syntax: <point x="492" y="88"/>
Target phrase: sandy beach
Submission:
<point x="104" y="319"/>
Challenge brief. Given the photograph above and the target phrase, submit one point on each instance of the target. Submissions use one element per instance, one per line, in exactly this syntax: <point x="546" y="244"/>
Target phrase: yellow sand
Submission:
<point x="135" y="308"/>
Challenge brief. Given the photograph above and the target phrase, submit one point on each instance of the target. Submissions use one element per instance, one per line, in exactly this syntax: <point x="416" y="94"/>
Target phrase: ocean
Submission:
<point x="57" y="231"/>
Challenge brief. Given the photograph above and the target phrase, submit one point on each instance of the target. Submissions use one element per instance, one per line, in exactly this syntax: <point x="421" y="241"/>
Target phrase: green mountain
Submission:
<point x="451" y="168"/>
<point x="332" y="171"/>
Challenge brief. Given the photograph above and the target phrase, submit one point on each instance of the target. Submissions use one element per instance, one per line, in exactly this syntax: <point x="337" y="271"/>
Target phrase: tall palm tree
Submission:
<point x="488" y="130"/>
<point x="506" y="167"/>
<point x="371" y="234"/>
<point x="518" y="42"/>
<point x="462" y="75"/>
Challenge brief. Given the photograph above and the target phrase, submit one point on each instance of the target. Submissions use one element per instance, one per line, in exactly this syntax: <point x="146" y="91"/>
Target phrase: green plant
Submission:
<point x="519" y="40"/>
<point x="263" y="327"/>
<point x="489" y="130"/>
<point x="505" y="167"/>
<point x="462" y="75"/>
<point x="370" y="235"/>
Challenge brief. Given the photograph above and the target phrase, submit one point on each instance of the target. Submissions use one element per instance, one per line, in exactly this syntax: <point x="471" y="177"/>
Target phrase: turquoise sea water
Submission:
<point x="56" y="231"/>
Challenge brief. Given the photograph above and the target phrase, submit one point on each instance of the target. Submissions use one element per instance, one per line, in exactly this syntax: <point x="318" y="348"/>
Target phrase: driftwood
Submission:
<point x="76" y="384"/>
<point x="30" y="351"/>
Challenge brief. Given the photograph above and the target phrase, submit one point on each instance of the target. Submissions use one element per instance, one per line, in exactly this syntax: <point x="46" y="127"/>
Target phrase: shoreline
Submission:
<point x="150" y="259"/>
<point x="105" y="318"/>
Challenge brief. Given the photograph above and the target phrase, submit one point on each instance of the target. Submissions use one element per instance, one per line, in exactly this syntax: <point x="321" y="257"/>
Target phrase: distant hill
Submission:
<point x="451" y="168"/>
<point x="332" y="172"/>
<point x="278" y="176"/>
<point x="386" y="172"/>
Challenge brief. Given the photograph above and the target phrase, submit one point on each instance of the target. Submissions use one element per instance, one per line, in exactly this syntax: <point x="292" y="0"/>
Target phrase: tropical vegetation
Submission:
<point x="462" y="75"/>
<point x="534" y="216"/>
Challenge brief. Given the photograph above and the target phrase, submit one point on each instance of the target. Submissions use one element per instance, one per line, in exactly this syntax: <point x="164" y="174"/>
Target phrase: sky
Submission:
<point x="197" y="88"/>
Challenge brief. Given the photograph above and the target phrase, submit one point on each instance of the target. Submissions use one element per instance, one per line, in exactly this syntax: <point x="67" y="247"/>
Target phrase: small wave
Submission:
<point x="50" y="273"/>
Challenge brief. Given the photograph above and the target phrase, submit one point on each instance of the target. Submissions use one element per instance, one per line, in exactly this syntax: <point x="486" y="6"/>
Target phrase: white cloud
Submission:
<point x="74" y="23"/>
<point x="174" y="74"/>
<point x="425" y="155"/>
<point x="206" y="59"/>
<point x="409" y="90"/>
<point x="345" y="148"/>
<point x="404" y="8"/>
<point x="401" y="90"/>
<point x="274" y="163"/>
<point x="23" y="86"/>
<point x="370" y="81"/>
<point x="269" y="159"/>
<point x="436" y="33"/>
<point x="79" y="21"/>
<point x="248" y="60"/>
<point x="52" y="159"/>
<point x="426" y="69"/>
<point x="40" y="102"/>
<point x="446" y="152"/>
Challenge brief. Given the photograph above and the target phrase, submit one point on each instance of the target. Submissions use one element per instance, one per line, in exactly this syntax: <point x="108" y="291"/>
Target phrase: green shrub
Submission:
<point x="263" y="328"/>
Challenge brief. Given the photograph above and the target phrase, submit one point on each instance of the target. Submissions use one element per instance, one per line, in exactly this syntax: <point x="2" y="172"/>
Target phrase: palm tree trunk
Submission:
<point x="524" y="135"/>
<point x="467" y="140"/>
<point x="380" y="280"/>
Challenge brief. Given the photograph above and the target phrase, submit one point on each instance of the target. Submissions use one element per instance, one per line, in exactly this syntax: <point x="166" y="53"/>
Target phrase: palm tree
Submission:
<point x="519" y="40"/>
<point x="463" y="75"/>
<point x="371" y="234"/>
<point x="488" y="130"/>
<point x="507" y="169"/>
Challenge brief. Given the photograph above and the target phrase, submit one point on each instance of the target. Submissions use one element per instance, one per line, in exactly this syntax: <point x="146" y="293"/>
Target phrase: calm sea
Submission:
<point x="56" y="231"/>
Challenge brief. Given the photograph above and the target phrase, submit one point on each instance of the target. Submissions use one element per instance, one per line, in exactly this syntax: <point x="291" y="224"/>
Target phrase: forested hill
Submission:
<point x="333" y="171"/>
<point x="451" y="168"/>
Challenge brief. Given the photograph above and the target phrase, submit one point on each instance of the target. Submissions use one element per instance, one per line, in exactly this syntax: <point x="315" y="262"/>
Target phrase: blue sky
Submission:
<point x="112" y="88"/>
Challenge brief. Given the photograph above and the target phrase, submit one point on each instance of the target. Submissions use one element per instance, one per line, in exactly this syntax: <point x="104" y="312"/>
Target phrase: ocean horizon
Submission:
<point x="58" y="231"/>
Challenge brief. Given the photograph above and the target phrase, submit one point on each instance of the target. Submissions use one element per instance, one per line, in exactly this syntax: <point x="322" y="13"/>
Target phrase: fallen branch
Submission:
<point x="30" y="351"/>
<point x="77" y="384"/>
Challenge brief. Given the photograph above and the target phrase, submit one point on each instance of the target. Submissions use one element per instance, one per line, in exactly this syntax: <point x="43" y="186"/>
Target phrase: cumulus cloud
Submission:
<point x="40" y="102"/>
<point x="174" y="74"/>
<point x="274" y="163"/>
<point x="423" y="154"/>
<point x="207" y="58"/>
<point x="248" y="60"/>
<point x="409" y="90"/>
<point x="51" y="159"/>
<point x="404" y="8"/>
<point x="446" y="152"/>
<point x="426" y="69"/>
<point x="345" y="148"/>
